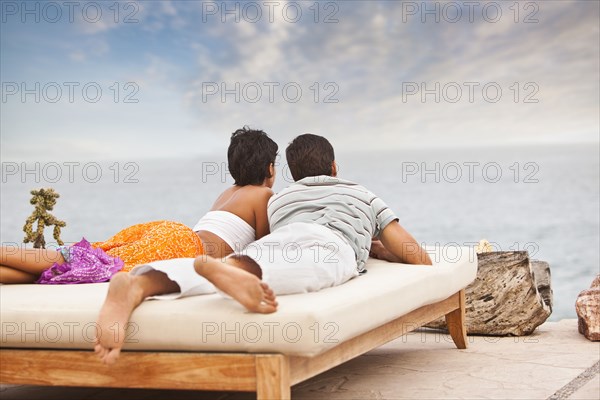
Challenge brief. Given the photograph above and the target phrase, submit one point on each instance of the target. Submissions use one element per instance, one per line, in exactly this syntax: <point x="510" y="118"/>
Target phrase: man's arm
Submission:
<point x="397" y="245"/>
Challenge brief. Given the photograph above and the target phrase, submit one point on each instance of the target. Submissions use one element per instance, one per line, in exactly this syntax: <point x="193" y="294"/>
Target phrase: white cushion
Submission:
<point x="63" y="316"/>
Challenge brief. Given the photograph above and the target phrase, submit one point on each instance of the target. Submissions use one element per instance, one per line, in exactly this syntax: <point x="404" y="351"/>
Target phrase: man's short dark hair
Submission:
<point x="309" y="155"/>
<point x="249" y="155"/>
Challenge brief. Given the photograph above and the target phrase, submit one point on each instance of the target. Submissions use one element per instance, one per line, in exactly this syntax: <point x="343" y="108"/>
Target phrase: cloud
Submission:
<point x="541" y="61"/>
<point x="78" y="56"/>
<point x="89" y="48"/>
<point x="168" y="8"/>
<point x="352" y="74"/>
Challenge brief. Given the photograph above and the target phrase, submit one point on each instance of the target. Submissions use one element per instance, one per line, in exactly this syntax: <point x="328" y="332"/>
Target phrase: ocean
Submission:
<point x="543" y="199"/>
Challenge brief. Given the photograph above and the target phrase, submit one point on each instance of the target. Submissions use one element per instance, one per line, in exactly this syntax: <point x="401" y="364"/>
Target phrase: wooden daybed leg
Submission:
<point x="456" y="323"/>
<point x="273" y="377"/>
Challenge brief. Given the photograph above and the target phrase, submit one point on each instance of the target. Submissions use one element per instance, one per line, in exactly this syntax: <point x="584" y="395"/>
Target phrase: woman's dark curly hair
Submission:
<point x="249" y="155"/>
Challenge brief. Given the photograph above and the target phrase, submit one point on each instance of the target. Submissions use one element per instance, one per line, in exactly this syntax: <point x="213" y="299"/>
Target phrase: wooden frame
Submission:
<point x="269" y="375"/>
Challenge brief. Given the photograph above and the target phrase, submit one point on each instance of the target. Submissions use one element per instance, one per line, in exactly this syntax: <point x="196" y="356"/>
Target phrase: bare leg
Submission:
<point x="125" y="293"/>
<point x="31" y="261"/>
<point x="245" y="263"/>
<point x="235" y="280"/>
<point x="11" y="275"/>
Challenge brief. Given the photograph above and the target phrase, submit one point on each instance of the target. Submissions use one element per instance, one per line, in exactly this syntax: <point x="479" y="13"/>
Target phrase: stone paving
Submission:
<point x="556" y="362"/>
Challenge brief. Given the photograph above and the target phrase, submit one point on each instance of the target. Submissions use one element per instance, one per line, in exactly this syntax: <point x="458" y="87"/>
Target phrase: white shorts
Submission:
<point x="180" y="271"/>
<point x="298" y="258"/>
<point x="303" y="257"/>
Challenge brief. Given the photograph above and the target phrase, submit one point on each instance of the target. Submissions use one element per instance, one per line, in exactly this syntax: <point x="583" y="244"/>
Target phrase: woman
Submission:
<point x="238" y="217"/>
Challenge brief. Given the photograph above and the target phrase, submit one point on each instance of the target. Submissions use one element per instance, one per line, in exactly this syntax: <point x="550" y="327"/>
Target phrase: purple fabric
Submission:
<point x="83" y="264"/>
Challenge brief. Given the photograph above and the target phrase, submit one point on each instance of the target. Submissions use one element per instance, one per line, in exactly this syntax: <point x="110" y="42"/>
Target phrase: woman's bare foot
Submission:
<point x="122" y="298"/>
<point x="243" y="286"/>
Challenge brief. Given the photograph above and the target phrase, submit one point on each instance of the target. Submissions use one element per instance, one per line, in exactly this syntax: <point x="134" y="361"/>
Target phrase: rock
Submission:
<point x="504" y="299"/>
<point x="541" y="277"/>
<point x="588" y="311"/>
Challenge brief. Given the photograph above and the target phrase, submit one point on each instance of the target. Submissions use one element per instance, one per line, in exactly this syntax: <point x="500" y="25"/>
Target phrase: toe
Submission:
<point x="269" y="295"/>
<point x="112" y="356"/>
<point x="270" y="301"/>
<point x="100" y="351"/>
<point x="265" y="308"/>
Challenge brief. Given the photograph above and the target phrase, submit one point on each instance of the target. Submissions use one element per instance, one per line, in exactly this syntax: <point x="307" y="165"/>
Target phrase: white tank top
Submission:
<point x="234" y="231"/>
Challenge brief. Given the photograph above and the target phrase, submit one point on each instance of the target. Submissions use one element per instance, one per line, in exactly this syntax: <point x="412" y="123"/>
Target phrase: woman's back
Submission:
<point x="238" y="217"/>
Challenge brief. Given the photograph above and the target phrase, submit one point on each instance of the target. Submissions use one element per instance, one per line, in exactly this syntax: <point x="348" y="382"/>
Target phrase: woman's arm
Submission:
<point x="260" y="212"/>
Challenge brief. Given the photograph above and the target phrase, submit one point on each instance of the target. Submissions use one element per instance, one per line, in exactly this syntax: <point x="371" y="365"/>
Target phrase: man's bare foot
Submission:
<point x="243" y="286"/>
<point x="122" y="298"/>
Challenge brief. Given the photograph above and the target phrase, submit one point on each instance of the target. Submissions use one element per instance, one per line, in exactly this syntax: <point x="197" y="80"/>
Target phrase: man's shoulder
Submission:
<point x="325" y="181"/>
<point x="324" y="184"/>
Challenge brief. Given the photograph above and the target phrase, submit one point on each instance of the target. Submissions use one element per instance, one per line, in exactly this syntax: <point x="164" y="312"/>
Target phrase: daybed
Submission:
<point x="211" y="343"/>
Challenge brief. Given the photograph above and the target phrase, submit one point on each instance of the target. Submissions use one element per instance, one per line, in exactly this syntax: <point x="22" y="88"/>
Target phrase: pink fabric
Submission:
<point x="83" y="264"/>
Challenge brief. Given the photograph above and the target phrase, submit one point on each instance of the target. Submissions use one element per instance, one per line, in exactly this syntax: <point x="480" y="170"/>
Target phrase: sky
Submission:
<point x="154" y="79"/>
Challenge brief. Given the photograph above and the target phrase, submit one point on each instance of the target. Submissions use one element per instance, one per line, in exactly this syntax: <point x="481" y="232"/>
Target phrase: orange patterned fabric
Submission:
<point x="152" y="241"/>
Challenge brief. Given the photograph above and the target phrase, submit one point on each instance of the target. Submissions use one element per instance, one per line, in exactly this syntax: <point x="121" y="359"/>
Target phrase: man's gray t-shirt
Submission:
<point x="343" y="206"/>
